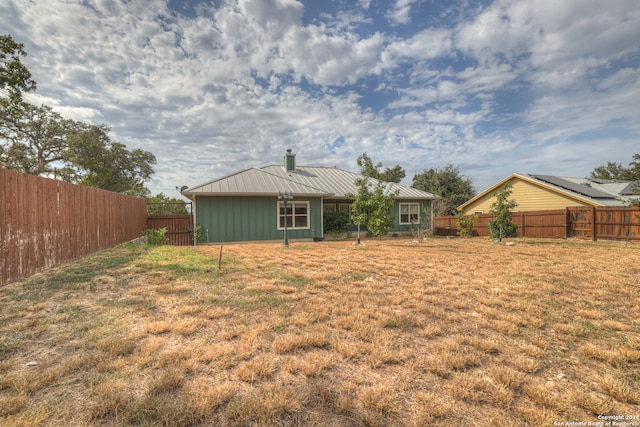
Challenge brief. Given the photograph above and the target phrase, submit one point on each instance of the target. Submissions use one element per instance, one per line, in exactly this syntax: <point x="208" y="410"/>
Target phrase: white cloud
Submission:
<point x="365" y="4"/>
<point x="427" y="44"/>
<point x="400" y="13"/>
<point x="330" y="59"/>
<point x="621" y="78"/>
<point x="245" y="79"/>
<point x="555" y="43"/>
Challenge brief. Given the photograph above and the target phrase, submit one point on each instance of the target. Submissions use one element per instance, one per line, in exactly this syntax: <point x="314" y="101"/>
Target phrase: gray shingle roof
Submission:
<point x="304" y="181"/>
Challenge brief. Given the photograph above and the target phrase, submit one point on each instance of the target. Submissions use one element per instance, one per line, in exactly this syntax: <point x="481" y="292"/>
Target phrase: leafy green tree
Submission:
<point x="367" y="168"/>
<point x="465" y="224"/>
<point x="502" y="223"/>
<point x="453" y="188"/>
<point x="15" y="78"/>
<point x="32" y="139"/>
<point x="115" y="168"/>
<point x="39" y="141"/>
<point x="164" y="205"/>
<point x="372" y="208"/>
<point x="614" y="170"/>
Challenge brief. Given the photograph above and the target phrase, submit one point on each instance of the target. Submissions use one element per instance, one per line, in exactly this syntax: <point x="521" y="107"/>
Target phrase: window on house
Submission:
<point x="297" y="215"/>
<point x="329" y="208"/>
<point x="346" y="208"/>
<point x="409" y="213"/>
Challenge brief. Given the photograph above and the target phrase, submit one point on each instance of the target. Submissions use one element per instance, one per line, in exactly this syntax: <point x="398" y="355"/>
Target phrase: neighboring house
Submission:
<point x="545" y="192"/>
<point x="244" y="206"/>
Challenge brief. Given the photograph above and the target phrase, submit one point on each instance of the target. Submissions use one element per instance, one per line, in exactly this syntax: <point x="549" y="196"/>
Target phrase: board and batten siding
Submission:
<point x="237" y="219"/>
<point x="425" y="205"/>
<point x="530" y="197"/>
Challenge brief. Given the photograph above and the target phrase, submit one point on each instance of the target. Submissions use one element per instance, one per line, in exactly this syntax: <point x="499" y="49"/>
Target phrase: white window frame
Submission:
<point x="409" y="213"/>
<point x="292" y="204"/>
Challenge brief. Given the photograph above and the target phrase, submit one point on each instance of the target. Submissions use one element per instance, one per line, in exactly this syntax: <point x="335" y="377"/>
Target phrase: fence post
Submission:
<point x="567" y="222"/>
<point x="594" y="225"/>
<point x="522" y="221"/>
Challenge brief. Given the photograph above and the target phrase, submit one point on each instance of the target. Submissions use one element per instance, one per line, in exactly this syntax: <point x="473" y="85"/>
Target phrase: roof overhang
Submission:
<point x="203" y="194"/>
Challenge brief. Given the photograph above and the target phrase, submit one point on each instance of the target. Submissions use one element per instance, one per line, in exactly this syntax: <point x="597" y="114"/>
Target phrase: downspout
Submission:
<point x="322" y="218"/>
<point x="431" y="214"/>
<point x="195" y="241"/>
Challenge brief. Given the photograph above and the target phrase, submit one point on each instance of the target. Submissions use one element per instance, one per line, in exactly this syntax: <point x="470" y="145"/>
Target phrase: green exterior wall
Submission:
<point x="424" y="205"/>
<point x="236" y="219"/>
<point x="425" y="210"/>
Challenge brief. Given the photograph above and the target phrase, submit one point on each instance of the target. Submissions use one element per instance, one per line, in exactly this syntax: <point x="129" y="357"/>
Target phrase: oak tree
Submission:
<point x="367" y="168"/>
<point x="15" y="78"/>
<point x="453" y="188"/>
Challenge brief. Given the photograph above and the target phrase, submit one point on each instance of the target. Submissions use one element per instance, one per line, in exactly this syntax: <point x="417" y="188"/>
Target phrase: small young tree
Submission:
<point x="465" y="224"/>
<point x="502" y="224"/>
<point x="381" y="215"/>
<point x="372" y="208"/>
<point x="367" y="168"/>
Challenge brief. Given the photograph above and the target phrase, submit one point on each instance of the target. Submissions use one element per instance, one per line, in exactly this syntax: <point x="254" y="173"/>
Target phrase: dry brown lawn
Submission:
<point x="389" y="333"/>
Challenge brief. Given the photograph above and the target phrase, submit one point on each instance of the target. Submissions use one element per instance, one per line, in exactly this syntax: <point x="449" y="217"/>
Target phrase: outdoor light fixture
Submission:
<point x="285" y="198"/>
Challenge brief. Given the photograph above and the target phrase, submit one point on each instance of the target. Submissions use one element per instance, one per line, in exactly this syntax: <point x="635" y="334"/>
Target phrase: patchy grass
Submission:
<point x="392" y="332"/>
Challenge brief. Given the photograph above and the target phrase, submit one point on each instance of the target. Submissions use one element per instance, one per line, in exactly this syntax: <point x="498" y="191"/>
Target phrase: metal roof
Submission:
<point x="253" y="182"/>
<point x="339" y="182"/>
<point x="303" y="181"/>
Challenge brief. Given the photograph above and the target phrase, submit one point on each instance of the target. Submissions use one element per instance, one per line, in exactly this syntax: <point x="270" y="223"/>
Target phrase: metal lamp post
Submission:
<point x="285" y="198"/>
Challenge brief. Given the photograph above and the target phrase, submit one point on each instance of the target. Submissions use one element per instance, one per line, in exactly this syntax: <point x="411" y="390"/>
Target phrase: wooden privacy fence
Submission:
<point x="44" y="223"/>
<point x="175" y="217"/>
<point x="602" y="223"/>
<point x="178" y="228"/>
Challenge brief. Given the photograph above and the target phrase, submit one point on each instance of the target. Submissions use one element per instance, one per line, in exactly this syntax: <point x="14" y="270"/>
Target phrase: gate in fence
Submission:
<point x="176" y="217"/>
<point x="581" y="222"/>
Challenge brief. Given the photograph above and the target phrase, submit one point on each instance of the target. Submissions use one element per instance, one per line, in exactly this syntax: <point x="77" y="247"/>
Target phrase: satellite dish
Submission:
<point x="184" y="187"/>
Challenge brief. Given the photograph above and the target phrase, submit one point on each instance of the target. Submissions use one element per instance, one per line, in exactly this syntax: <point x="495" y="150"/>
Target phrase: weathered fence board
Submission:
<point x="617" y="224"/>
<point x="602" y="223"/>
<point x="44" y="223"/>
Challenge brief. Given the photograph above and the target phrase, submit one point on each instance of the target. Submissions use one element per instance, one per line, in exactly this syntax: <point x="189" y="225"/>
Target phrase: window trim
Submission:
<point x="292" y="204"/>
<point x="409" y="204"/>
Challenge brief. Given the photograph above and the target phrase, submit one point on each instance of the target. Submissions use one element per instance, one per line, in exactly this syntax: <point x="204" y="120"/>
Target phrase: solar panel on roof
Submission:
<point x="585" y="190"/>
<point x="629" y="189"/>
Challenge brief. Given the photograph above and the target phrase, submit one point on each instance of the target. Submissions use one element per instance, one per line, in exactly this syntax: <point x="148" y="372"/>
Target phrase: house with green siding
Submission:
<point x="244" y="206"/>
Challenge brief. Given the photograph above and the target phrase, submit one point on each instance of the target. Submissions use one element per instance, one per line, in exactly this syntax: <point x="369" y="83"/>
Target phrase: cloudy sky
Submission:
<point x="213" y="87"/>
